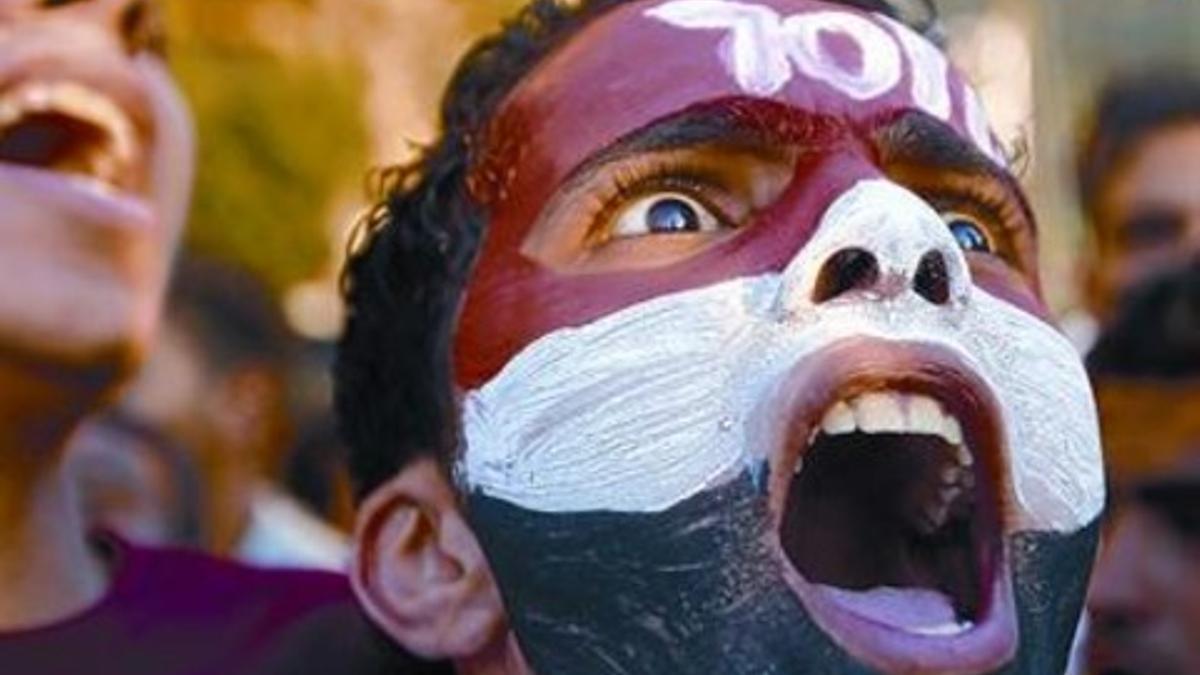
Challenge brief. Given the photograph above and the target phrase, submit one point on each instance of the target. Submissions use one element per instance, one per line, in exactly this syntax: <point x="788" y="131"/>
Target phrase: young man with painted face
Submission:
<point x="95" y="173"/>
<point x="708" y="339"/>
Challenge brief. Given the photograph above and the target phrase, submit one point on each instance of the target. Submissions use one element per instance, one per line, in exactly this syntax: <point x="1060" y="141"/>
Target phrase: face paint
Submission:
<point x="819" y="439"/>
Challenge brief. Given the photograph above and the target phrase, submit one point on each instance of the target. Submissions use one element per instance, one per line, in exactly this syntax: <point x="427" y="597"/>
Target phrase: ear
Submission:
<point x="419" y="571"/>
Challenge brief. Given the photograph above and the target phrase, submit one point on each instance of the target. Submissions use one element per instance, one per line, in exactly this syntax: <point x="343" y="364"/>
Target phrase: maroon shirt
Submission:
<point x="172" y="612"/>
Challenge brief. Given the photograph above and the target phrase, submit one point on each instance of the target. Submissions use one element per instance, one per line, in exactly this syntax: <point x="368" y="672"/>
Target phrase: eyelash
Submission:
<point x="630" y="183"/>
<point x="973" y="200"/>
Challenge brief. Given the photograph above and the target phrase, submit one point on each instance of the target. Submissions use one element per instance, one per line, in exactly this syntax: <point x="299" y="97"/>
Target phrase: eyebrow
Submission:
<point x="917" y="139"/>
<point x="731" y="124"/>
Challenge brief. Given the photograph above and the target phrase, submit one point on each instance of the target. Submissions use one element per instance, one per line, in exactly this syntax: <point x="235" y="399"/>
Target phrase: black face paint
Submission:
<point x="691" y="590"/>
<point x="698" y="590"/>
<point x="1050" y="583"/>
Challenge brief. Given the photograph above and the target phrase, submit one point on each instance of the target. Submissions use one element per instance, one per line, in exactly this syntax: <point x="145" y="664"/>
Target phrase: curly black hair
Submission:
<point x="411" y="256"/>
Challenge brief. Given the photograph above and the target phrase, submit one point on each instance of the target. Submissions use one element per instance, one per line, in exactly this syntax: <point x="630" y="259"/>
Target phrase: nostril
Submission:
<point x="847" y="270"/>
<point x="141" y="27"/>
<point x="932" y="280"/>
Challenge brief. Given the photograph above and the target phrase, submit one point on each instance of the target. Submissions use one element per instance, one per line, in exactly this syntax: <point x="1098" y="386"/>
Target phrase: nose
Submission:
<point x="878" y="242"/>
<point x="138" y="24"/>
<point x="857" y="270"/>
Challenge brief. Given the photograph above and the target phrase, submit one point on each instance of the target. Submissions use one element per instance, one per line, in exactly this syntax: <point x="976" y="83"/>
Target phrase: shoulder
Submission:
<point x="195" y="579"/>
<point x="301" y="621"/>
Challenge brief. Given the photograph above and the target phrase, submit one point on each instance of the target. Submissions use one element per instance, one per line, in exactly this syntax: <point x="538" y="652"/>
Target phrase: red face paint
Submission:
<point x="806" y="72"/>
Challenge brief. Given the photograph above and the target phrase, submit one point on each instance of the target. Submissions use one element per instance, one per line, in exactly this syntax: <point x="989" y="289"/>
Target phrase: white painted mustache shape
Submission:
<point x="646" y="407"/>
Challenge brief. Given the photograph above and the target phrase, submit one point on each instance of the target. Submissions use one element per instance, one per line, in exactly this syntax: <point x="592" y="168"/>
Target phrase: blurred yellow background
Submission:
<point x="297" y="98"/>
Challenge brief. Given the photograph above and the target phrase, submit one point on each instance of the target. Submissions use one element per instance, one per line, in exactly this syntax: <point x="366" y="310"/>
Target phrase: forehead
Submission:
<point x="647" y="60"/>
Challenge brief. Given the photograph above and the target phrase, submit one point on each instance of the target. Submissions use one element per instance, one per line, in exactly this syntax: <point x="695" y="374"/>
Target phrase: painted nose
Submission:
<point x="878" y="242"/>
<point x="857" y="270"/>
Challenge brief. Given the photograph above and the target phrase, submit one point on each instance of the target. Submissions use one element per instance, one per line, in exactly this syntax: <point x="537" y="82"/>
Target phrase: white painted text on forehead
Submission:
<point x="764" y="52"/>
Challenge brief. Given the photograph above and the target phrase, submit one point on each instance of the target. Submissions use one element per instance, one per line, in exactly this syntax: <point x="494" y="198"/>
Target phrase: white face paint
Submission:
<point x="930" y="71"/>
<point x="881" y="68"/>
<point x="977" y="124"/>
<point x="653" y="404"/>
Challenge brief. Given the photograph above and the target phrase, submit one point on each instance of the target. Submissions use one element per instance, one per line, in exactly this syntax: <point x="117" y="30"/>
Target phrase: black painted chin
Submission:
<point x="702" y="589"/>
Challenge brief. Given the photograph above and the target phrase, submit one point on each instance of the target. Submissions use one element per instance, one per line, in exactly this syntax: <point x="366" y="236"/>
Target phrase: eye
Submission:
<point x="665" y="213"/>
<point x="970" y="235"/>
<point x="51" y="4"/>
<point x="1156" y="228"/>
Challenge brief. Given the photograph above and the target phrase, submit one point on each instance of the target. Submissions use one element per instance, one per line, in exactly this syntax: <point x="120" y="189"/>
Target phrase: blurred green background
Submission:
<point x="282" y="134"/>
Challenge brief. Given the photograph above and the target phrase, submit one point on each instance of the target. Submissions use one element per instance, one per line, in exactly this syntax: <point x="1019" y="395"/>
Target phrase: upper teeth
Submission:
<point x="74" y="100"/>
<point x="894" y="413"/>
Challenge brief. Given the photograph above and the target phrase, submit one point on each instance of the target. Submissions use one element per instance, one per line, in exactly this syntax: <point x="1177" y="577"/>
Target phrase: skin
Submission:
<point x="1143" y="601"/>
<point x="564" y="249"/>
<point x="1148" y="218"/>
<point x="83" y="278"/>
<point x="125" y="485"/>
<point x="231" y="422"/>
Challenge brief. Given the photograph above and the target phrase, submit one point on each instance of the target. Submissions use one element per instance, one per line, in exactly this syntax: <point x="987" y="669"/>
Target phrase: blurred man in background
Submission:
<point x="134" y="481"/>
<point x="217" y="384"/>
<point x="95" y="170"/>
<point x="1138" y="169"/>
<point x="1145" y="597"/>
<point x="96" y="158"/>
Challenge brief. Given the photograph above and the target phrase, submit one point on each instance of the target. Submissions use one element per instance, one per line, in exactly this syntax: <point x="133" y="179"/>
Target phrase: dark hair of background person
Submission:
<point x="1129" y="109"/>
<point x="411" y="255"/>
<point x="316" y="473"/>
<point x="1156" y="333"/>
<point x="229" y="316"/>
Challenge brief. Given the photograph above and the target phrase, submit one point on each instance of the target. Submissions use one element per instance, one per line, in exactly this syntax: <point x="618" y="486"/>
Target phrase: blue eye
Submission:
<point x="672" y="215"/>
<point x="665" y="214"/>
<point x="970" y="235"/>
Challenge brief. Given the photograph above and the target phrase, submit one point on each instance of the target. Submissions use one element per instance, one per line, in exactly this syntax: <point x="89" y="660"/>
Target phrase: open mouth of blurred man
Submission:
<point x="84" y="141"/>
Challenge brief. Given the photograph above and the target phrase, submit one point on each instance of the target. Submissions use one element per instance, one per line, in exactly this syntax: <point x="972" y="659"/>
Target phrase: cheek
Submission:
<point x="1002" y="281"/>
<point x="173" y="157"/>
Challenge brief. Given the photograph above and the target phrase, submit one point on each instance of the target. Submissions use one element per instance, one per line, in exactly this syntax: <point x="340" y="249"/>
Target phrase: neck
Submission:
<point x="47" y="569"/>
<point x="230" y="502"/>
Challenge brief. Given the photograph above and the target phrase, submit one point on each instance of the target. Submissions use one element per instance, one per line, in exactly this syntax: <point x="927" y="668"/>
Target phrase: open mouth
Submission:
<point x="72" y="130"/>
<point x="887" y="496"/>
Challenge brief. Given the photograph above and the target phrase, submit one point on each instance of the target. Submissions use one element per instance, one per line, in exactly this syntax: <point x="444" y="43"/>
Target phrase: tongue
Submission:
<point x="919" y="611"/>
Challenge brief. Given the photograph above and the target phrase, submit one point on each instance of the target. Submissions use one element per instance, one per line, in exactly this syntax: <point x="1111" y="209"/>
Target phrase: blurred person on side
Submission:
<point x="217" y="384"/>
<point x="96" y="165"/>
<point x="1144" y="599"/>
<point x="1138" y="168"/>
<point x="136" y="482"/>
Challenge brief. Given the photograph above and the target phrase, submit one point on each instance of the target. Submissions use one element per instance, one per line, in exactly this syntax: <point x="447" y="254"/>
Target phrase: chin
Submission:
<point x="85" y="334"/>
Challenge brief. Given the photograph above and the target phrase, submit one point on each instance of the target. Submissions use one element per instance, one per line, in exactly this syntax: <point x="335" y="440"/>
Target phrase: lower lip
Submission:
<point x="75" y="196"/>
<point x="985" y="647"/>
